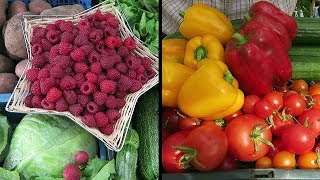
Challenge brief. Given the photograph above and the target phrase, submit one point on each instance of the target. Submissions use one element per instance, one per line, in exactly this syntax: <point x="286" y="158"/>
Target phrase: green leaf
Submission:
<point x="150" y="26"/>
<point x="142" y="25"/>
<point x="135" y="31"/>
<point x="106" y="171"/>
<point x="94" y="166"/>
<point x="8" y="175"/>
<point x="153" y="49"/>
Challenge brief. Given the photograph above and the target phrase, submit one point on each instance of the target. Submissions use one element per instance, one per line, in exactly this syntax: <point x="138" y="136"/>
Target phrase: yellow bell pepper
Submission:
<point x="173" y="76"/>
<point x="174" y="49"/>
<point x="201" y="19"/>
<point x="210" y="93"/>
<point x="202" y="49"/>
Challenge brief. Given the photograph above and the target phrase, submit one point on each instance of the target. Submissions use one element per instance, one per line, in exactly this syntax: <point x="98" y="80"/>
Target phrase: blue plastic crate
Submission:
<point x="85" y="3"/>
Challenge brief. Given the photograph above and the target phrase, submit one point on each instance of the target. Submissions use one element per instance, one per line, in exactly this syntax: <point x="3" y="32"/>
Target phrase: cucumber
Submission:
<point x="146" y="119"/>
<point x="132" y="138"/>
<point x="126" y="163"/>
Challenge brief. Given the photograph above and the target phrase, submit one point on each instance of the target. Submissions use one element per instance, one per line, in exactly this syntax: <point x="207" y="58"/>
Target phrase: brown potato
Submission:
<point x="7" y="82"/>
<point x="17" y="7"/>
<point x="64" y="10"/>
<point x="20" y="67"/>
<point x="37" y="6"/>
<point x="6" y="64"/>
<point x="4" y="4"/>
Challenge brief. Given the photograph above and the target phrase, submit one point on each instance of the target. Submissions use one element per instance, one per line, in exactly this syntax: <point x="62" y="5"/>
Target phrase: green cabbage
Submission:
<point x="5" y="131"/>
<point x="42" y="145"/>
<point x="8" y="175"/>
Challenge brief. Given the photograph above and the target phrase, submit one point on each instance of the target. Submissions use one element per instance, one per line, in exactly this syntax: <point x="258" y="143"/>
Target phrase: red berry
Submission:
<point x="77" y="55"/>
<point x="129" y="43"/>
<point x="81" y="157"/>
<point x="36" y="49"/>
<point x="92" y="107"/>
<point x="96" y="35"/>
<point x="120" y="103"/>
<point x="71" y="172"/>
<point x="122" y="67"/>
<point x="53" y="36"/>
<point x="35" y="88"/>
<point x="107" y="86"/>
<point x="44" y="73"/>
<point x="80" y="79"/>
<point x="70" y="97"/>
<point x="36" y="101"/>
<point x="75" y="109"/>
<point x="54" y="94"/>
<point x="136" y="86"/>
<point x="93" y="57"/>
<point x="82" y="100"/>
<point x="89" y="120"/>
<point x="32" y="74"/>
<point x="124" y="83"/>
<point x="87" y="88"/>
<point x="81" y="40"/>
<point x="46" y="84"/>
<point x="65" y="48"/>
<point x="67" y="37"/>
<point x="81" y="67"/>
<point x="68" y="83"/>
<point x="107" y="129"/>
<point x="38" y="61"/>
<point x="123" y="51"/>
<point x="111" y="102"/>
<point x="56" y="72"/>
<point x="47" y="105"/>
<point x="99" y="98"/>
<point x="28" y="101"/>
<point x="113" y="74"/>
<point x="62" y="105"/>
<point x="149" y="73"/>
<point x="133" y="62"/>
<point x="113" y="116"/>
<point x="95" y="68"/>
<point x="101" y="119"/>
<point x="91" y="77"/>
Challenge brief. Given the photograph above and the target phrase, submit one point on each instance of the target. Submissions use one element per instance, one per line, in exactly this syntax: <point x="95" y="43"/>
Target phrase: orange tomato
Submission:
<point x="308" y="161"/>
<point x="315" y="90"/>
<point x="284" y="160"/>
<point x="299" y="85"/>
<point x="264" y="162"/>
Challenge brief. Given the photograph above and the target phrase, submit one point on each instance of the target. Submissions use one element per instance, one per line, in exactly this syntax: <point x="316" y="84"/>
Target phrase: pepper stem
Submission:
<point x="247" y="16"/>
<point x="241" y="39"/>
<point x="219" y="122"/>
<point x="200" y="53"/>
<point x="181" y="13"/>
<point x="228" y="77"/>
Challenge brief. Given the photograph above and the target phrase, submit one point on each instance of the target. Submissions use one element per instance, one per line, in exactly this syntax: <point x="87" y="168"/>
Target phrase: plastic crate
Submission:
<point x="85" y="3"/>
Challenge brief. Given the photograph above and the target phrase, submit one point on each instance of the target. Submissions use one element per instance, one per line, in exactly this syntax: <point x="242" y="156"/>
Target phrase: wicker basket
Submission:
<point x="114" y="141"/>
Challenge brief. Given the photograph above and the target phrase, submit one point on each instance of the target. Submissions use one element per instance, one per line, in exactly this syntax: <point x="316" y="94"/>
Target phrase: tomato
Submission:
<point x="299" y="85"/>
<point x="276" y="100"/>
<point x="170" y="155"/>
<point x="316" y="101"/>
<point x="308" y="160"/>
<point x="230" y="117"/>
<point x="218" y="123"/>
<point x="170" y="119"/>
<point x="164" y="134"/>
<point x="311" y="119"/>
<point x="264" y="162"/>
<point x="314" y="90"/>
<point x="207" y="145"/>
<point x="295" y="103"/>
<point x="282" y="89"/>
<point x="288" y="93"/>
<point x="263" y="108"/>
<point x="188" y="124"/>
<point x="284" y="160"/>
<point x="228" y="163"/>
<point x="249" y="102"/>
<point x="278" y="146"/>
<point x="297" y="139"/>
<point x="280" y="121"/>
<point x="242" y="131"/>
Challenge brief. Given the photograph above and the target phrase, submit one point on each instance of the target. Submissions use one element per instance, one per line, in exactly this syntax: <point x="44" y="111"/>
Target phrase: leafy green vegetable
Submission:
<point x="106" y="171"/>
<point x="5" y="132"/>
<point x="42" y="145"/>
<point x="8" y="175"/>
<point x="94" y="166"/>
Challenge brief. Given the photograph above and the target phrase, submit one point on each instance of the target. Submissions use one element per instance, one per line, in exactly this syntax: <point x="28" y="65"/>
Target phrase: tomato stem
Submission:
<point x="256" y="137"/>
<point x="181" y="115"/>
<point x="190" y="155"/>
<point x="318" y="156"/>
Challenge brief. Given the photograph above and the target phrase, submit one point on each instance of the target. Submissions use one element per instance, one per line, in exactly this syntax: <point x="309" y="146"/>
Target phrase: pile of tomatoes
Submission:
<point x="278" y="130"/>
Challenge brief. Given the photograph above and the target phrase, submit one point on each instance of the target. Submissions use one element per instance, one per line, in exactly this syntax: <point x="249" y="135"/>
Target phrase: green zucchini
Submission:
<point x="146" y="119"/>
<point x="126" y="163"/>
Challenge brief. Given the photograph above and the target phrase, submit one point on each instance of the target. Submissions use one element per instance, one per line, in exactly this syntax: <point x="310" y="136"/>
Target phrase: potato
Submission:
<point x="4" y="4"/>
<point x="7" y="82"/>
<point x="37" y="6"/>
<point x="6" y="64"/>
<point x="64" y="10"/>
<point x="3" y="17"/>
<point x="17" y="7"/>
<point x="20" y="67"/>
<point x="13" y="38"/>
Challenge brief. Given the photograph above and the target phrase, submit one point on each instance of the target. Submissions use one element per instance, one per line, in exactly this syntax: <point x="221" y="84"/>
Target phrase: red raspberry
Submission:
<point x="83" y="100"/>
<point x="120" y="94"/>
<point x="96" y="35"/>
<point x="99" y="98"/>
<point x="84" y="24"/>
<point x="66" y="26"/>
<point x="45" y="55"/>
<point x="32" y="74"/>
<point x="120" y="103"/>
<point x="113" y="22"/>
<point x="56" y="72"/>
<point x="113" y="74"/>
<point x="71" y="172"/>
<point x="108" y="86"/>
<point x="62" y="105"/>
<point x="91" y="77"/>
<point x="51" y="27"/>
<point x="99" y="16"/>
<point x="136" y="86"/>
<point x="109" y="31"/>
<point x="103" y="25"/>
<point x="77" y="55"/>
<point x="133" y="62"/>
<point x="149" y="73"/>
<point x="111" y="52"/>
<point x="95" y="68"/>
<point x="46" y="84"/>
<point x="131" y="74"/>
<point x="53" y="36"/>
<point x="81" y="157"/>
<point x="87" y="88"/>
<point x="61" y="60"/>
<point x="35" y="39"/>
<point x="67" y="83"/>
<point x="35" y="88"/>
<point x="44" y="73"/>
<point x="87" y="49"/>
<point x="101" y="119"/>
<point x="122" y="67"/>
<point x="39" y="32"/>
<point x="70" y="97"/>
<point x="47" y="105"/>
<point x="36" y="101"/>
<point x="65" y="48"/>
<point x="111" y="102"/>
<point x="84" y="32"/>
<point x="54" y="94"/>
<point x="91" y="18"/>
<point x="80" y="79"/>
<point x="81" y="67"/>
<point x="142" y="78"/>
<point x="100" y="47"/>
<point x="107" y="129"/>
<point x="89" y="120"/>
<point x="45" y="44"/>
<point x="92" y="107"/>
<point x="81" y="40"/>
<point x="67" y="37"/>
<point x="28" y="101"/>
<point x="124" y="83"/>
<point x="112" y="42"/>
<point x="75" y="109"/>
<point x="129" y="43"/>
<point x="38" y="61"/>
<point x="101" y="77"/>
<point x="113" y="116"/>
<point x="36" y="49"/>
<point x="123" y="51"/>
<point x="93" y="57"/>
<point x="107" y="62"/>
<point x="140" y="70"/>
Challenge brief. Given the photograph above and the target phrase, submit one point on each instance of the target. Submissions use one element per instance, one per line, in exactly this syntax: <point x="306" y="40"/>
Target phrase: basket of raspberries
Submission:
<point x="88" y="67"/>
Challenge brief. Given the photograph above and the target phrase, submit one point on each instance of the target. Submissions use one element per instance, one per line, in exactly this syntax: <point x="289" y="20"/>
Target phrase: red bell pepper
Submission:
<point x="257" y="59"/>
<point x="288" y="22"/>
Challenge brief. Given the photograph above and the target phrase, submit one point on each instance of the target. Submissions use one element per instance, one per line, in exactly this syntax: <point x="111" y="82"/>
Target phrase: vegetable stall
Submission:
<point x="240" y="98"/>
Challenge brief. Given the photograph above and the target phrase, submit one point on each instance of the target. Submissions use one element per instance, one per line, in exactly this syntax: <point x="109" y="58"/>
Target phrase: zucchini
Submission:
<point x="126" y="163"/>
<point x="146" y="119"/>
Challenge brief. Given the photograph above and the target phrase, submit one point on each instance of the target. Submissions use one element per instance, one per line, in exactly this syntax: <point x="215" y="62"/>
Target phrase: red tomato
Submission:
<point x="170" y="155"/>
<point x="263" y="108"/>
<point x="164" y="134"/>
<point x="282" y="89"/>
<point x="170" y="119"/>
<point x="228" y="163"/>
<point x="249" y="102"/>
<point x="278" y="146"/>
<point x="299" y="85"/>
<point x="209" y="145"/>
<point x="242" y="131"/>
<point x="276" y="100"/>
<point x="295" y="103"/>
<point x="280" y="121"/>
<point x="297" y="139"/>
<point x="316" y="101"/>
<point x="218" y="123"/>
<point x="311" y="118"/>
<point x="188" y="124"/>
<point x="230" y="117"/>
<point x="288" y="93"/>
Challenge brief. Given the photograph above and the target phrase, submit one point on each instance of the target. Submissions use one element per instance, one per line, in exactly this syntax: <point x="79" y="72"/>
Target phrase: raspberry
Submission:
<point x="129" y="43"/>
<point x="113" y="74"/>
<point x="28" y="101"/>
<point x="131" y="74"/>
<point x="96" y="35"/>
<point x="44" y="73"/>
<point x="89" y="120"/>
<point x="47" y="105"/>
<point x="103" y="24"/>
<point x="81" y="157"/>
<point x="140" y="70"/>
<point x="93" y="57"/>
<point x="81" y="40"/>
<point x="111" y="102"/>
<point x="87" y="88"/>
<point x="120" y="94"/>
<point x="36" y="101"/>
<point x="149" y="73"/>
<point x="84" y="32"/>
<point x="53" y="36"/>
<point x="87" y="49"/>
<point x="84" y="24"/>
<point x="67" y="83"/>
<point x="80" y="79"/>
<point x="81" y="67"/>
<point x="107" y="129"/>
<point x="95" y="68"/>
<point x="83" y="100"/>
<point x="62" y="105"/>
<point x="113" y="116"/>
<point x="35" y="39"/>
<point x="67" y="37"/>
<point x="45" y="55"/>
<point x="70" y="97"/>
<point x="53" y="95"/>
<point x="45" y="44"/>
<point x="113" y="22"/>
<point x="124" y="83"/>
<point x="65" y="48"/>
<point x="123" y="51"/>
<point x="39" y="32"/>
<point x="38" y="61"/>
<point x="101" y="119"/>
<point x="68" y="71"/>
<point x="110" y="52"/>
<point x="109" y="31"/>
<point x="136" y="86"/>
<point x="99" y="98"/>
<point x="112" y="42"/>
<point x="122" y="67"/>
<point x="101" y="77"/>
<point x="91" y="18"/>
<point x="100" y="46"/>
<point x="32" y="74"/>
<point x="46" y="84"/>
<point x="77" y="55"/>
<point x="107" y="62"/>
<point x="61" y="60"/>
<point x="107" y="86"/>
<point x="91" y="77"/>
<point x="99" y="16"/>
<point x="92" y="107"/>
<point x="36" y="49"/>
<point x="133" y="62"/>
<point x="120" y="103"/>
<point x="51" y="27"/>
<point x="56" y="72"/>
<point x="75" y="109"/>
<point x="66" y="26"/>
<point x="142" y="78"/>
<point x="71" y="172"/>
